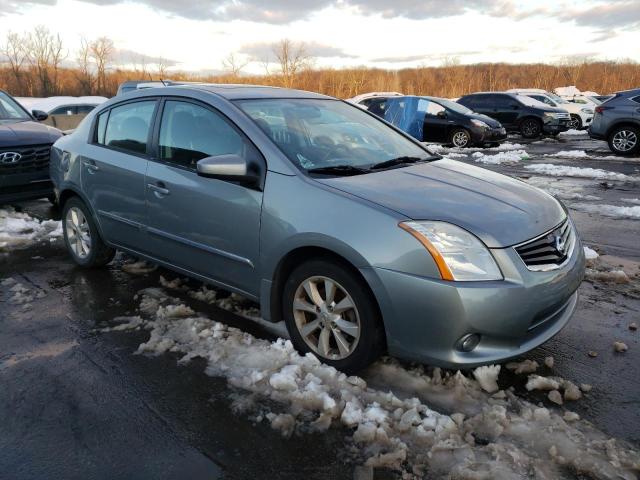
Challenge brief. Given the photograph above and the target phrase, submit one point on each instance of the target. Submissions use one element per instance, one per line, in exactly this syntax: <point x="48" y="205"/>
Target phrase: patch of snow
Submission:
<point x="455" y="155"/>
<point x="612" y="211"/>
<point x="549" y="361"/>
<point x="555" y="397"/>
<point x="590" y="254"/>
<point x="392" y="412"/>
<point x="608" y="276"/>
<point x="620" y="347"/>
<point x="526" y="366"/>
<point x="141" y="267"/>
<point x="631" y="200"/>
<point x="19" y="230"/>
<point x="503" y="157"/>
<point x="487" y="377"/>
<point x="562" y="188"/>
<point x="569" y="154"/>
<point x="572" y="132"/>
<point x="568" y="171"/>
<point x="536" y="382"/>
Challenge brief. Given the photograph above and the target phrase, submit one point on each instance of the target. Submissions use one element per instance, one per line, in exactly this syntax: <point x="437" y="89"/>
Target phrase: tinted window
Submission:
<point x="65" y="110"/>
<point x="636" y="99"/>
<point x="189" y="133"/>
<point x="128" y="126"/>
<point x="84" y="109"/>
<point x="377" y="106"/>
<point x="542" y="98"/>
<point x="431" y="108"/>
<point x="501" y="101"/>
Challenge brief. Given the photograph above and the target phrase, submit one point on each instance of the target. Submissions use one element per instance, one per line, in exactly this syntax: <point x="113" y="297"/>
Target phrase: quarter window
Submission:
<point x="127" y="127"/>
<point x="189" y="133"/>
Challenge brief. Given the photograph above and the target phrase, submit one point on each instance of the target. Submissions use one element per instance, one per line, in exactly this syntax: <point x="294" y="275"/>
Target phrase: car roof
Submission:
<point x="490" y="93"/>
<point x="51" y="103"/>
<point x="633" y="91"/>
<point x="243" y="91"/>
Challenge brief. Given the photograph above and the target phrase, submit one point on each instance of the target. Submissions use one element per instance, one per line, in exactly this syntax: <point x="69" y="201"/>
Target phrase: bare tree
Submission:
<point x="44" y="52"/>
<point x="84" y="75"/>
<point x="162" y="65"/>
<point x="234" y="64"/>
<point x="14" y="51"/>
<point x="292" y="58"/>
<point x="101" y="51"/>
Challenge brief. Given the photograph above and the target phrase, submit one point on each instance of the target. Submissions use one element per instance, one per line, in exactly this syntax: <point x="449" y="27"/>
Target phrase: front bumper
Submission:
<point x="425" y="318"/>
<point x="555" y="126"/>
<point x="25" y="186"/>
<point x="480" y="136"/>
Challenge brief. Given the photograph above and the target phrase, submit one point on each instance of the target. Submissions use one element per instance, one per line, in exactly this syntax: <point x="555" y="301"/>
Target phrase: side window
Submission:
<point x="68" y="110"/>
<point x="101" y="127"/>
<point x="128" y="126"/>
<point x="377" y="106"/>
<point x="501" y="101"/>
<point x="543" y="99"/>
<point x="434" y="108"/>
<point x="84" y="109"/>
<point x="636" y="99"/>
<point x="189" y="133"/>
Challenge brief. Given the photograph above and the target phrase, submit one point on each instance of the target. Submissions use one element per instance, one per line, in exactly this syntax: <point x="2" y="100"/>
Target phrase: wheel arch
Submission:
<point x="69" y="192"/>
<point x="627" y="122"/>
<point x="300" y="254"/>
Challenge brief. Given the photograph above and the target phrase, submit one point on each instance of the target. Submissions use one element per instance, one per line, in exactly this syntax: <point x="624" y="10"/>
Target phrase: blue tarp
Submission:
<point x="407" y="113"/>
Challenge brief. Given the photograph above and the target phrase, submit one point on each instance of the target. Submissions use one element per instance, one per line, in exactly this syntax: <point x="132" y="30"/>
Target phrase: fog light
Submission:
<point x="469" y="342"/>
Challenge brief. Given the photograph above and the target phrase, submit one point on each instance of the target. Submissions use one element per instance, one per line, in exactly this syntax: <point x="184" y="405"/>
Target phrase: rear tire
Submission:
<point x="625" y="140"/>
<point x="531" y="128"/>
<point x="81" y="236"/>
<point x="330" y="312"/>
<point x="460" y="138"/>
<point x="576" y="122"/>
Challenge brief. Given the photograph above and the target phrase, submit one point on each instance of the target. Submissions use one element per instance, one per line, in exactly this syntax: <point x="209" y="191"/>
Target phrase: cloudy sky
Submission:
<point x="196" y="35"/>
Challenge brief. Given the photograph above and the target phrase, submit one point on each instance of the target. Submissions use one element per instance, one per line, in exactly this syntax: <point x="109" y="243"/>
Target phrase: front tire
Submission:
<point x="625" y="140"/>
<point x="531" y="128"/>
<point x="460" y="138"/>
<point x="576" y="122"/>
<point x="330" y="312"/>
<point x="81" y="236"/>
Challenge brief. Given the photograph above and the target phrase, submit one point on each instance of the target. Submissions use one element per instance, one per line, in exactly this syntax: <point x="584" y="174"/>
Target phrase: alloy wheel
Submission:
<point x="78" y="232"/>
<point x="625" y="140"/>
<point x="460" y="139"/>
<point x="530" y="128"/>
<point x="575" y="122"/>
<point x="326" y="317"/>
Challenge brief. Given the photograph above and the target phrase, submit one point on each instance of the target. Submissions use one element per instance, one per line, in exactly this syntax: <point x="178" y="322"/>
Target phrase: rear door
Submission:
<point x="207" y="226"/>
<point x="506" y="109"/>
<point x="114" y="168"/>
<point x="436" y="123"/>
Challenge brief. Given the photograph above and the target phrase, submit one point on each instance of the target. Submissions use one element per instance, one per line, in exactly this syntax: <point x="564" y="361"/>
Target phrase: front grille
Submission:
<point x="34" y="158"/>
<point x="549" y="251"/>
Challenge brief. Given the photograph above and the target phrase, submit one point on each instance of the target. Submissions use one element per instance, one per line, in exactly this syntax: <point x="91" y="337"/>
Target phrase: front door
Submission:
<point x="114" y="168"/>
<point x="207" y="226"/>
<point x="436" y="123"/>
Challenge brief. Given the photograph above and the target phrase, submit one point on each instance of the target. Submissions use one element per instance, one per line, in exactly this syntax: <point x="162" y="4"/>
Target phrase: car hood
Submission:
<point x="492" y="122"/>
<point x="16" y="134"/>
<point x="501" y="211"/>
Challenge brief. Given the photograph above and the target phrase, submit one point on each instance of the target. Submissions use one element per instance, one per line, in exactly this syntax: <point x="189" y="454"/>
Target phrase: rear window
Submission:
<point x="127" y="127"/>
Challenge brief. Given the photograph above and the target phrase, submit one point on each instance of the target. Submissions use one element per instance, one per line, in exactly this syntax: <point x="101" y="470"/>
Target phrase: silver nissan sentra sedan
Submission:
<point x="333" y="220"/>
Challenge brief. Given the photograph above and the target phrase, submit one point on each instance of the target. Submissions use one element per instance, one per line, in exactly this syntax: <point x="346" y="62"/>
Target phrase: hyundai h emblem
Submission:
<point x="10" y="157"/>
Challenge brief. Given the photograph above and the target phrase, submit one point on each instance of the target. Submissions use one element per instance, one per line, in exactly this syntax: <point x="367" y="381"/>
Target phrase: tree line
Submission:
<point x="37" y="64"/>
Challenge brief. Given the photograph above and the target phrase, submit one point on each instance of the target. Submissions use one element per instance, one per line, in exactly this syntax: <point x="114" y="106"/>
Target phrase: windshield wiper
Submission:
<point x="339" y="170"/>
<point x="397" y="161"/>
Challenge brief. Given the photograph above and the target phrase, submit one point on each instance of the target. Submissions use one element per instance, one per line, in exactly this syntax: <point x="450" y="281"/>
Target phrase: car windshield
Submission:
<point x="330" y="136"/>
<point x="556" y="98"/>
<point x="455" y="106"/>
<point x="10" y="110"/>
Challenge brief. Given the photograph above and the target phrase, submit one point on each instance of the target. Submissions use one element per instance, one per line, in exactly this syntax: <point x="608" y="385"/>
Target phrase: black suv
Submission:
<point x="519" y="113"/>
<point x="618" y="122"/>
<point x="442" y="120"/>
<point x="24" y="152"/>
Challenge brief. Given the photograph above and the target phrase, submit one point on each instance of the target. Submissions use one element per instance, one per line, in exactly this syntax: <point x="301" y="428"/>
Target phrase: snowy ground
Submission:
<point x="86" y="348"/>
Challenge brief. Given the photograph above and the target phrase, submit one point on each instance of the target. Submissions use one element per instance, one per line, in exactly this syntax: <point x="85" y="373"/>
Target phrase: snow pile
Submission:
<point x="17" y="293"/>
<point x="567" y="171"/>
<point x="526" y="366"/>
<point x="590" y="254"/>
<point x="569" y="154"/>
<point x="632" y="200"/>
<point x="573" y="132"/>
<point x="21" y="230"/>
<point x="561" y="188"/>
<point x="454" y="155"/>
<point x="612" y="211"/>
<point x="512" y="156"/>
<point x="487" y="377"/>
<point x="391" y="412"/>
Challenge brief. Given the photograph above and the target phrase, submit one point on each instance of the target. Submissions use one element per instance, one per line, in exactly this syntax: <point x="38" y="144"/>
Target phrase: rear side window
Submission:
<point x="636" y="99"/>
<point x="101" y="127"/>
<point x="127" y="127"/>
<point x="189" y="133"/>
<point x="81" y="109"/>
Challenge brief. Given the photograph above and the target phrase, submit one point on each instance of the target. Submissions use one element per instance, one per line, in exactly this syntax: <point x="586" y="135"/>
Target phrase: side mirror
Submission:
<point x="227" y="167"/>
<point x="441" y="114"/>
<point x="39" y="115"/>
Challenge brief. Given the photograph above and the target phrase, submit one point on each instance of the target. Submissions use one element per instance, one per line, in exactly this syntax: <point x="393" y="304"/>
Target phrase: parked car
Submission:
<point x="24" y="152"/>
<point x="519" y="113"/>
<point x="64" y="113"/>
<point x="433" y="119"/>
<point x="132" y="85"/>
<point x="332" y="219"/>
<point x="618" y="122"/>
<point x="581" y="114"/>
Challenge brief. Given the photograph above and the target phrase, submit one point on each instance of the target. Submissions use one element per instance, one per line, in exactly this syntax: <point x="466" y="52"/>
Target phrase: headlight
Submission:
<point x="479" y="123"/>
<point x="587" y="110"/>
<point x="550" y="115"/>
<point x="458" y="254"/>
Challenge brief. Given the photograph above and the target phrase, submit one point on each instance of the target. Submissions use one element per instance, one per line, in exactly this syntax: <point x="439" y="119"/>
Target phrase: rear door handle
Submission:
<point x="160" y="190"/>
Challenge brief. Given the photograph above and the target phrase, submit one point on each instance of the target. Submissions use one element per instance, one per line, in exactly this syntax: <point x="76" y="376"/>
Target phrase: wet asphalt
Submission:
<point x="75" y="403"/>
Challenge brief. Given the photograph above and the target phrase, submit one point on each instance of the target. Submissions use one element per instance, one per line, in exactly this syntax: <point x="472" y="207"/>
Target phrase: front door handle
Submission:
<point x="91" y="166"/>
<point x="160" y="190"/>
